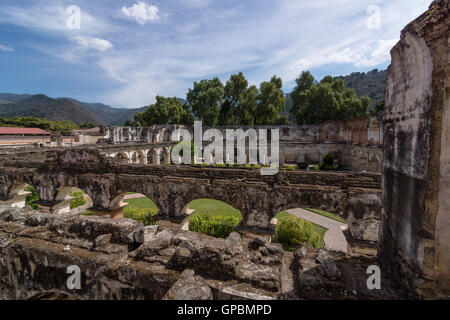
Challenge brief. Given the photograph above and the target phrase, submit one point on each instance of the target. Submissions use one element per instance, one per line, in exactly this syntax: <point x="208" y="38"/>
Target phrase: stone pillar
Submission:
<point x="156" y="157"/>
<point x="415" y="225"/>
<point x="167" y="156"/>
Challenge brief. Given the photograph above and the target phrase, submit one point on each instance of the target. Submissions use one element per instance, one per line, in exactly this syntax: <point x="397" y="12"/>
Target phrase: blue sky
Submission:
<point x="128" y="51"/>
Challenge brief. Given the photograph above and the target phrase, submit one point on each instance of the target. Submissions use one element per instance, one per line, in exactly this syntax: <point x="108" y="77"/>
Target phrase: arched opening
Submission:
<point x="307" y="226"/>
<point x="373" y="163"/>
<point x="212" y="217"/>
<point x="134" y="206"/>
<point x="20" y="195"/>
<point x="71" y="200"/>
<point x="363" y="162"/>
<point x="355" y="161"/>
<point x="121" y="157"/>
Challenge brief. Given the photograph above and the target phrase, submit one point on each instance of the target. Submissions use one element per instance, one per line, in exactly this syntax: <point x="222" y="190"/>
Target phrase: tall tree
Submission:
<point x="164" y="111"/>
<point x="327" y="100"/>
<point x="239" y="102"/>
<point x="205" y="99"/>
<point x="271" y="103"/>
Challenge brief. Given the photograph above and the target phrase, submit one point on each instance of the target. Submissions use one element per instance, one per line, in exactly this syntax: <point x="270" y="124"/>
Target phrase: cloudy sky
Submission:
<point x="125" y="52"/>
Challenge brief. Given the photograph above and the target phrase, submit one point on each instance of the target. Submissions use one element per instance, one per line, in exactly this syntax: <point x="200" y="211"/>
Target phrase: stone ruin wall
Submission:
<point x="415" y="226"/>
<point x="355" y="144"/>
<point x="123" y="260"/>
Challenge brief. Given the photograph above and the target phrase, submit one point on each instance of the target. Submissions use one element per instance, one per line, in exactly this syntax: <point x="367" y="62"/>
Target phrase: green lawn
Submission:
<point x="326" y="214"/>
<point x="217" y="208"/>
<point x="142" y="203"/>
<point x="201" y="206"/>
<point x="213" y="208"/>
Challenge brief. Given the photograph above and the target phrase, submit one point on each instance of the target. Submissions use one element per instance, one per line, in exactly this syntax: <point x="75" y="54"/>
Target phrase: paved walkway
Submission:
<point x="133" y="196"/>
<point x="334" y="238"/>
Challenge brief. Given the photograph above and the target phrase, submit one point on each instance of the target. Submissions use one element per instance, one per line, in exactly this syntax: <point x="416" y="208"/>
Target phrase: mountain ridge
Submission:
<point x="371" y="84"/>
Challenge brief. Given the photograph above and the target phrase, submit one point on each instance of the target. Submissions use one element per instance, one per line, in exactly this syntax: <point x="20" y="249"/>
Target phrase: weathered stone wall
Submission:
<point x="298" y="144"/>
<point x="259" y="198"/>
<point x="123" y="260"/>
<point x="415" y="228"/>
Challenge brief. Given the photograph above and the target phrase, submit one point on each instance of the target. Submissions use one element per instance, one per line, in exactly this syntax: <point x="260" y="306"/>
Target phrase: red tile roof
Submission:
<point x="30" y="131"/>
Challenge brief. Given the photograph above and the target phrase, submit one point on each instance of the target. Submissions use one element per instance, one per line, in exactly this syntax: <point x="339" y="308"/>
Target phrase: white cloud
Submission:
<point x="142" y="12"/>
<point x="52" y="18"/>
<point x="365" y="56"/>
<point x="6" y="49"/>
<point x="94" y="43"/>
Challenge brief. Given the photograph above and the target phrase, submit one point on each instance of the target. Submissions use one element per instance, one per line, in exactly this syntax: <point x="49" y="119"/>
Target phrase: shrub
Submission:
<point x="87" y="213"/>
<point x="78" y="200"/>
<point x="32" y="198"/>
<point x="215" y="226"/>
<point x="327" y="163"/>
<point x="295" y="231"/>
<point x="141" y="215"/>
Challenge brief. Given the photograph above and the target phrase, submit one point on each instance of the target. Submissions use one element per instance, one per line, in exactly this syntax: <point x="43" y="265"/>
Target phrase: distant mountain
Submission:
<point x="10" y="97"/>
<point x="41" y="106"/>
<point x="371" y="84"/>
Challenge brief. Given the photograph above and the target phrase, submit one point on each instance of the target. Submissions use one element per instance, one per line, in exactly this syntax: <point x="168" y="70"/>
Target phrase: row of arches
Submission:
<point x="155" y="156"/>
<point x="366" y="161"/>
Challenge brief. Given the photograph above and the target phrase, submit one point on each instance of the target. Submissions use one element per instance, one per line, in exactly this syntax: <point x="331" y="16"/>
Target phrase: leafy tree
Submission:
<point x="205" y="99"/>
<point x="87" y="125"/>
<point x="164" y="111"/>
<point x="239" y="102"/>
<point x="270" y="103"/>
<point x="64" y="126"/>
<point x="379" y="109"/>
<point x="316" y="102"/>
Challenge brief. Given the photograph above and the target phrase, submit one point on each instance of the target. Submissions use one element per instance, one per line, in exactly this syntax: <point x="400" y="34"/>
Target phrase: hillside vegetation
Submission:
<point x="235" y="102"/>
<point x="64" y="126"/>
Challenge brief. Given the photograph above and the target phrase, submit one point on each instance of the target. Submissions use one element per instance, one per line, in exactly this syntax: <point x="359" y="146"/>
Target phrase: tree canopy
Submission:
<point x="164" y="111"/>
<point x="315" y="102"/>
<point x="64" y="126"/>
<point x="239" y="103"/>
<point x="271" y="103"/>
<point x="205" y="100"/>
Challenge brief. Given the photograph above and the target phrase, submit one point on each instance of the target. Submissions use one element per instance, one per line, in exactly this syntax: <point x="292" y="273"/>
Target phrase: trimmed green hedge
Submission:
<point x="78" y="200"/>
<point x="141" y="215"/>
<point x="215" y="226"/>
<point x="295" y="231"/>
<point x="32" y="198"/>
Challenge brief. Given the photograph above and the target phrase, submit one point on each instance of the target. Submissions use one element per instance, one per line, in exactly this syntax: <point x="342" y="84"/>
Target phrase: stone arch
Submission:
<point x="65" y="198"/>
<point x="142" y="157"/>
<point x="121" y="201"/>
<point x="355" y="160"/>
<point x="122" y="157"/>
<point x="363" y="161"/>
<point x="373" y="163"/>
